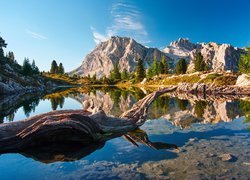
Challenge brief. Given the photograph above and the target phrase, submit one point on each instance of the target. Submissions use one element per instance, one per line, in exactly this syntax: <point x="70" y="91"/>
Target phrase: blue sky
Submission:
<point x="66" y="30"/>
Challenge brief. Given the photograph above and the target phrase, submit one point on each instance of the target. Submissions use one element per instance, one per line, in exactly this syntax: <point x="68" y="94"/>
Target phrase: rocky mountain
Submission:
<point x="122" y="50"/>
<point x="125" y="51"/>
<point x="218" y="57"/>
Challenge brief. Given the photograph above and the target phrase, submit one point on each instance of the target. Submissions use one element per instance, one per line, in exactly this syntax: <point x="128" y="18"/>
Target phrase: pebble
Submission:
<point x="226" y="157"/>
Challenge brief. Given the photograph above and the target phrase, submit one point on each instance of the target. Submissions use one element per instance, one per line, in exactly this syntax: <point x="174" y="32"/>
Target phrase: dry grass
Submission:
<point x="60" y="78"/>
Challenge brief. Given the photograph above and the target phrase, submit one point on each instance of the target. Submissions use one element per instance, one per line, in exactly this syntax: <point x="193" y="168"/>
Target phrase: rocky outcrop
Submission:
<point x="123" y="51"/>
<point x="12" y="81"/>
<point x="243" y="80"/>
<point x="202" y="88"/>
<point x="218" y="57"/>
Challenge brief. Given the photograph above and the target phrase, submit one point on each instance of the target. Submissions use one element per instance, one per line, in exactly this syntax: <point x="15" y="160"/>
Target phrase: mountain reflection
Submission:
<point x="179" y="109"/>
<point x="181" y="112"/>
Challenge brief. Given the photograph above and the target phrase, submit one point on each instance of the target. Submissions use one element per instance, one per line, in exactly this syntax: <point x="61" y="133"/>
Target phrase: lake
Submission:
<point x="184" y="137"/>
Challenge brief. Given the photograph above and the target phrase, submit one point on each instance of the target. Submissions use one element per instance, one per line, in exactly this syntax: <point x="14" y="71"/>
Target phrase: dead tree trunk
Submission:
<point x="72" y="126"/>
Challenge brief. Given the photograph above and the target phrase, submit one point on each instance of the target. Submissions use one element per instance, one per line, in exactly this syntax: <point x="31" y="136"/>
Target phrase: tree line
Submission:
<point x="27" y="68"/>
<point x="157" y="68"/>
<point x="56" y="69"/>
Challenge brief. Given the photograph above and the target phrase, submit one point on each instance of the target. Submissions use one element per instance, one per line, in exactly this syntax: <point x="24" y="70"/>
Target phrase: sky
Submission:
<point x="67" y="30"/>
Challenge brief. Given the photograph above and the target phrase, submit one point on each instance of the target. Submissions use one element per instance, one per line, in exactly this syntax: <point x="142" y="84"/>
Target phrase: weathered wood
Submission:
<point x="72" y="126"/>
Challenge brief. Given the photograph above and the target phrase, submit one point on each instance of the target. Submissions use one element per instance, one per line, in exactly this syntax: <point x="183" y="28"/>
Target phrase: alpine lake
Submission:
<point x="185" y="137"/>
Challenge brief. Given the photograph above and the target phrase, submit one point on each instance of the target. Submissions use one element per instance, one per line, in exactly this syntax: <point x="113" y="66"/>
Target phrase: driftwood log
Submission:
<point x="63" y="133"/>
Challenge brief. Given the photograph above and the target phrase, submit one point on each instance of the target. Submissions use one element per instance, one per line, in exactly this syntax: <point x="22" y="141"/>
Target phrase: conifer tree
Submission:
<point x="149" y="73"/>
<point x="10" y="56"/>
<point x="115" y="75"/>
<point x="54" y="67"/>
<point x="165" y="65"/>
<point x="155" y="67"/>
<point x="124" y="74"/>
<point x="199" y="63"/>
<point x="60" y="69"/>
<point x="34" y="67"/>
<point x="181" y="67"/>
<point x="244" y="63"/>
<point x="27" y="68"/>
<point x="140" y="71"/>
<point x="2" y="45"/>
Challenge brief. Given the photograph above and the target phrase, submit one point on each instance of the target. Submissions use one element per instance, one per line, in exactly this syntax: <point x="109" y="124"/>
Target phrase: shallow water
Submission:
<point x="203" y="130"/>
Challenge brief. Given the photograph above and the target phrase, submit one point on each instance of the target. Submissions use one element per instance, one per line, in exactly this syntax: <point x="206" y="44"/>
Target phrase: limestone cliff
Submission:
<point x="218" y="57"/>
<point x="123" y="51"/>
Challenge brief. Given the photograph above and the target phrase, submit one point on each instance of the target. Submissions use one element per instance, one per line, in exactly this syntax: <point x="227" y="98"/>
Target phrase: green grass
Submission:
<point x="225" y="80"/>
<point x="60" y="78"/>
<point x="210" y="78"/>
<point x="174" y="80"/>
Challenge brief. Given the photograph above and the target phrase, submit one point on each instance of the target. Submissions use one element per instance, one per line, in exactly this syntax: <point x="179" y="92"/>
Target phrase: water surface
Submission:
<point x="202" y="129"/>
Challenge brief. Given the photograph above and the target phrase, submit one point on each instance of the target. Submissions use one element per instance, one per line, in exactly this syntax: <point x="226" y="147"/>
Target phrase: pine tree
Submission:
<point x="181" y="67"/>
<point x="161" y="68"/>
<point x="60" y="69"/>
<point x="199" y="63"/>
<point x="2" y="58"/>
<point x="149" y="73"/>
<point x="115" y="75"/>
<point x="10" y="56"/>
<point x="124" y="74"/>
<point x="164" y="64"/>
<point x="27" y="68"/>
<point x="54" y="67"/>
<point x="2" y="45"/>
<point x="155" y="67"/>
<point x="94" y="78"/>
<point x="140" y="71"/>
<point x="34" y="67"/>
<point x="244" y="63"/>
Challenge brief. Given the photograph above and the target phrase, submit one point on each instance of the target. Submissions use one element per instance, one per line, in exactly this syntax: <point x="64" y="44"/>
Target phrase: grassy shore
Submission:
<point x="163" y="80"/>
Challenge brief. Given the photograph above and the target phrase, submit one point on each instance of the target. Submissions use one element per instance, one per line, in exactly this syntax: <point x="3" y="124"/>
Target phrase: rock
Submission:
<point x="227" y="157"/>
<point x="218" y="57"/>
<point x="192" y="88"/>
<point x="246" y="163"/>
<point x="144" y="81"/>
<point x="243" y="80"/>
<point x="192" y="139"/>
<point x="122" y="50"/>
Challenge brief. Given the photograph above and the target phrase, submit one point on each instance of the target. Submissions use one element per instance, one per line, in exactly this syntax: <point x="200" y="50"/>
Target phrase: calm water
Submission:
<point x="203" y="130"/>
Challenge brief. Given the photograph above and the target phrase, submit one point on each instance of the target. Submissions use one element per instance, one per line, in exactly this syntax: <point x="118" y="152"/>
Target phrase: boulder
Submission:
<point x="243" y="80"/>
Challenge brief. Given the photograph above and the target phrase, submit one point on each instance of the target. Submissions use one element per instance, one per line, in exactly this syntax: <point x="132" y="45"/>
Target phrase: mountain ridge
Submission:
<point x="125" y="51"/>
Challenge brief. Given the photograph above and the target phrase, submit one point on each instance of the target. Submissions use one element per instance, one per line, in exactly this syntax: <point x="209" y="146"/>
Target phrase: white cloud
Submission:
<point x="126" y="21"/>
<point x="35" y="35"/>
<point x="98" y="37"/>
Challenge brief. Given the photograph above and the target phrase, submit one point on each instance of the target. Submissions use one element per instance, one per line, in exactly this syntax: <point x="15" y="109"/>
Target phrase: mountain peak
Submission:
<point x="183" y="43"/>
<point x="123" y="51"/>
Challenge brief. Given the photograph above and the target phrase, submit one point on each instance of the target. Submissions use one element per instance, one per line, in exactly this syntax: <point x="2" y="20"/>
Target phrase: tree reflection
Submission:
<point x="115" y="95"/>
<point x="57" y="101"/>
<point x="159" y="107"/>
<point x="28" y="106"/>
<point x="199" y="108"/>
<point x="182" y="104"/>
<point x="10" y="117"/>
<point x="1" y="119"/>
<point x="245" y="108"/>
